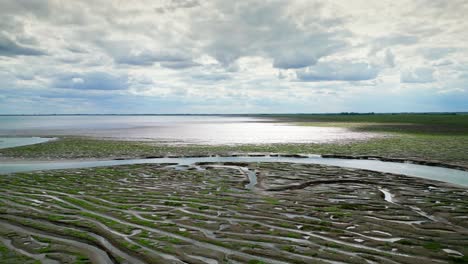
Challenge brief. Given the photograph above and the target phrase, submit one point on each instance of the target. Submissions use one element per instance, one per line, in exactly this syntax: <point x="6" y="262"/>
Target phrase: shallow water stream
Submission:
<point x="458" y="177"/>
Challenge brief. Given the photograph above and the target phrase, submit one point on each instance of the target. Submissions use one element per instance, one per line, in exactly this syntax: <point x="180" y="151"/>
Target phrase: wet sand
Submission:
<point x="208" y="213"/>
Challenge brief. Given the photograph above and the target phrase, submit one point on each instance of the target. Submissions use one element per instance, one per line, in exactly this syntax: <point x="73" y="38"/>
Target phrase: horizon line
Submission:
<point x="235" y="114"/>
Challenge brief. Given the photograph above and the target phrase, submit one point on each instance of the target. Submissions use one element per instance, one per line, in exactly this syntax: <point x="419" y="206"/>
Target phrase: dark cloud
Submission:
<point x="14" y="40"/>
<point x="266" y="29"/>
<point x="10" y="48"/>
<point x="302" y="56"/>
<point x="92" y="81"/>
<point x="338" y="71"/>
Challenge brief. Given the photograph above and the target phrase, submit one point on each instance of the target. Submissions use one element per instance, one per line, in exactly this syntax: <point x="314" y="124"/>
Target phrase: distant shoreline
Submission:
<point x="253" y="114"/>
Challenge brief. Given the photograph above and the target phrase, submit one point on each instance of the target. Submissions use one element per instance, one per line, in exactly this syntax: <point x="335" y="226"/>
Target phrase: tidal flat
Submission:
<point x="241" y="212"/>
<point x="295" y="213"/>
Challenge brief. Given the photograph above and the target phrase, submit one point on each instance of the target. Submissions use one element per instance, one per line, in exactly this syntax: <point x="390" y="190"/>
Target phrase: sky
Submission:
<point x="220" y="56"/>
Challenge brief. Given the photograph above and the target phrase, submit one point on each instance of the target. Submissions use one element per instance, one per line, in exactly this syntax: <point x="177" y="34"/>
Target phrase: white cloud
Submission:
<point x="338" y="71"/>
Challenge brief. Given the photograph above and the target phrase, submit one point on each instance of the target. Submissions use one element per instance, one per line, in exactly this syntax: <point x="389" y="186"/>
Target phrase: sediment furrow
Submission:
<point x="195" y="242"/>
<point x="40" y="257"/>
<point x="84" y="233"/>
<point x="104" y="242"/>
<point x="304" y="234"/>
<point x="278" y="227"/>
<point x="16" y="204"/>
<point x="202" y="217"/>
<point x="96" y="255"/>
<point x="309" y="183"/>
<point x="112" y="245"/>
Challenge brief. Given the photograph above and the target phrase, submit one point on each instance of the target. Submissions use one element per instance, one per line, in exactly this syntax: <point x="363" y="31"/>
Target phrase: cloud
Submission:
<point x="393" y="40"/>
<point x="76" y="49"/>
<point x="215" y="54"/>
<point x="397" y="39"/>
<point x="25" y="7"/>
<point x="211" y="77"/>
<point x="389" y="58"/>
<point x="301" y="57"/>
<point x="338" y="71"/>
<point x="146" y="57"/>
<point x="179" y="64"/>
<point x="177" y="4"/>
<point x="270" y="29"/>
<point x="418" y="75"/>
<point x="10" y="48"/>
<point x="91" y="81"/>
<point x="436" y="53"/>
<point x="133" y="53"/>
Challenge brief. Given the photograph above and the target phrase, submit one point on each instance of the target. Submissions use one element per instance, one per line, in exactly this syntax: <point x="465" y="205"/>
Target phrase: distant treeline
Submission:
<point x="354" y="113"/>
<point x="372" y="113"/>
<point x="364" y="114"/>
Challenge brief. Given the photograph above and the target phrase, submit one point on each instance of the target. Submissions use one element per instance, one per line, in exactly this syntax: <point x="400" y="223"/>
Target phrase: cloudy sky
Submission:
<point x="220" y="56"/>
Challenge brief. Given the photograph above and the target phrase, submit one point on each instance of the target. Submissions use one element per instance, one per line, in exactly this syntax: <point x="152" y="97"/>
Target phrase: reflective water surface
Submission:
<point x="10" y="142"/>
<point x="177" y="129"/>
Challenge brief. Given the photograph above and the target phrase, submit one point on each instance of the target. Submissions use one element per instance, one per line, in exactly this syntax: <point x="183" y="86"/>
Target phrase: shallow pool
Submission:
<point x="10" y="142"/>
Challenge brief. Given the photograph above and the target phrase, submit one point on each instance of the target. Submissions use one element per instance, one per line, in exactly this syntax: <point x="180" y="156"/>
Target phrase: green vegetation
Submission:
<point x="9" y="256"/>
<point x="432" y="245"/>
<point x="407" y="123"/>
<point x="463" y="259"/>
<point x="255" y="261"/>
<point x="271" y="200"/>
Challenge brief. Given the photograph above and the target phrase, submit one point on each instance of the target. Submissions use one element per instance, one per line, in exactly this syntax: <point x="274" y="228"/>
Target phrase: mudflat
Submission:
<point x="295" y="213"/>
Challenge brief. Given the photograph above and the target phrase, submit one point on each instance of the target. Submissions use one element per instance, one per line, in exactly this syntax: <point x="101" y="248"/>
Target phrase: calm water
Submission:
<point x="10" y="142"/>
<point x="176" y="129"/>
<point x="434" y="173"/>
